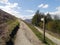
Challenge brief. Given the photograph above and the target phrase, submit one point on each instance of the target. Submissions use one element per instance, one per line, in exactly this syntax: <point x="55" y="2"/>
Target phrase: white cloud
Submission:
<point x="9" y="7"/>
<point x="46" y="13"/>
<point x="31" y="14"/>
<point x="28" y="16"/>
<point x="57" y="12"/>
<point x="43" y="6"/>
<point x="3" y="1"/>
<point x="58" y="8"/>
<point x="12" y="9"/>
<point x="30" y="11"/>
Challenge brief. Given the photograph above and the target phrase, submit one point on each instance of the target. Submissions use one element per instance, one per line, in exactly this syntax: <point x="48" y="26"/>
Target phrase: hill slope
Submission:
<point x="7" y="24"/>
<point x="4" y="17"/>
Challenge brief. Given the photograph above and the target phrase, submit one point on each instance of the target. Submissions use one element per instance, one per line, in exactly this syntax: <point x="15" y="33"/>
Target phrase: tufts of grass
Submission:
<point x="10" y="27"/>
<point x="39" y="35"/>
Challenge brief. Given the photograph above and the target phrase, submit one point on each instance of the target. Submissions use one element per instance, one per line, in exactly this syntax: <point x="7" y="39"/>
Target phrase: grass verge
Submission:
<point x="39" y="35"/>
<point x="12" y="30"/>
<point x="10" y="27"/>
<point x="53" y="34"/>
<point x="7" y="29"/>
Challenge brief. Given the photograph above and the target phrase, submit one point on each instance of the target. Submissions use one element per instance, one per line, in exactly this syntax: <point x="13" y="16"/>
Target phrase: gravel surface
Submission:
<point x="25" y="36"/>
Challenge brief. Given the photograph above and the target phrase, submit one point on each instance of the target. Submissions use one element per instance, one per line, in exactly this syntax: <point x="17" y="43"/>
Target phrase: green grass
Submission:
<point x="54" y="34"/>
<point x="39" y="35"/>
<point x="10" y="27"/>
<point x="8" y="30"/>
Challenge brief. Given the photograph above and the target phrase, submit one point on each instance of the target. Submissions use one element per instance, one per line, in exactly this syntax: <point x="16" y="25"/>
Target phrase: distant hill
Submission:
<point x="28" y="20"/>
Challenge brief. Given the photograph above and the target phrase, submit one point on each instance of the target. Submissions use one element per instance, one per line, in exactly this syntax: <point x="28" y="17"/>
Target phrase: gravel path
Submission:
<point x="55" y="40"/>
<point x="25" y="36"/>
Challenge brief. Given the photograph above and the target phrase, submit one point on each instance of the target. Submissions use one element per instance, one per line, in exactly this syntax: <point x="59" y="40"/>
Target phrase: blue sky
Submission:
<point x="26" y="8"/>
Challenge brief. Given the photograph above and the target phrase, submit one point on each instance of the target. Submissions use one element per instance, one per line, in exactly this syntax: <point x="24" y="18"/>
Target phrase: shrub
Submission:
<point x="53" y="26"/>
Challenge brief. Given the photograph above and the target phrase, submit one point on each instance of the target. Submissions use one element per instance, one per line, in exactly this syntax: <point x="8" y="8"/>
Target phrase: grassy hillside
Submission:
<point x="5" y="17"/>
<point x="7" y="24"/>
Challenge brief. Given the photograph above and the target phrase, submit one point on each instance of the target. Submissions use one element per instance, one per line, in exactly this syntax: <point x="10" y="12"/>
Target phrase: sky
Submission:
<point x="26" y="9"/>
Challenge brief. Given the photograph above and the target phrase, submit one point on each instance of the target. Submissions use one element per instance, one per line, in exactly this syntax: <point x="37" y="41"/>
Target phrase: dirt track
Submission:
<point x="52" y="38"/>
<point x="25" y="36"/>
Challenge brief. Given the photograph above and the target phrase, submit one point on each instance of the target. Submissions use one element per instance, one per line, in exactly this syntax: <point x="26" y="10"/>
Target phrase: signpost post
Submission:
<point x="43" y="19"/>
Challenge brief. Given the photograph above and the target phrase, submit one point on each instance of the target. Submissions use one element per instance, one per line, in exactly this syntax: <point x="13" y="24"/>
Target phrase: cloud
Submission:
<point x="10" y="8"/>
<point x="11" y="5"/>
<point x="30" y="11"/>
<point x="43" y="6"/>
<point x="28" y="16"/>
<point x="13" y="8"/>
<point x="58" y="8"/>
<point x="3" y="1"/>
<point x="57" y="12"/>
<point x="46" y="6"/>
